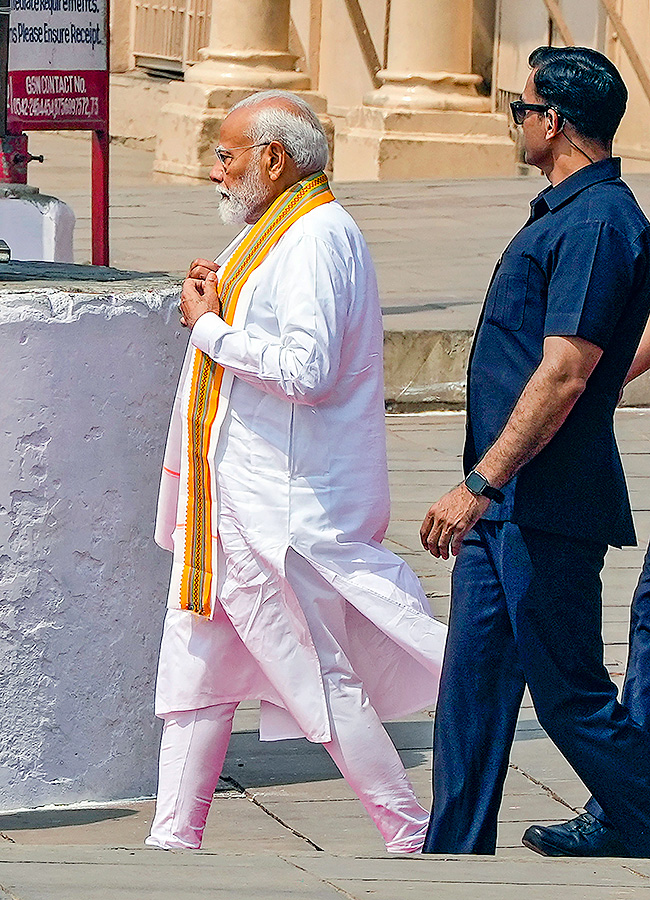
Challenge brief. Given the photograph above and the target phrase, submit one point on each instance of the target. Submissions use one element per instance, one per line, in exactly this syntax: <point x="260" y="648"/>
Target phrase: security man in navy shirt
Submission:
<point x="545" y="492"/>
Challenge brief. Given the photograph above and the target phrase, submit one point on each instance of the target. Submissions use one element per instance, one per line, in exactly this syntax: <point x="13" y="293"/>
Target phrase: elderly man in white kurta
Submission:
<point x="274" y="495"/>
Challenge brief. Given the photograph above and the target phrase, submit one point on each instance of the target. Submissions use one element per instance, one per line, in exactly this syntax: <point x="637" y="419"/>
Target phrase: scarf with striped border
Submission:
<point x="207" y="376"/>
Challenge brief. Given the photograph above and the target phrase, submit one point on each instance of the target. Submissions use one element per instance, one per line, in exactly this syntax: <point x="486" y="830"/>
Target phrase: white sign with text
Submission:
<point x="58" y="76"/>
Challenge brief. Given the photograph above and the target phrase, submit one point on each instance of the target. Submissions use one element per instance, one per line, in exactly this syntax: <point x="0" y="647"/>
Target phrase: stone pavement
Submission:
<point x="285" y="824"/>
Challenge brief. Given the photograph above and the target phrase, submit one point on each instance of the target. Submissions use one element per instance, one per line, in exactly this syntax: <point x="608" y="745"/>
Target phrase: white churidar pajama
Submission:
<point x="316" y="618"/>
<point x="194" y="743"/>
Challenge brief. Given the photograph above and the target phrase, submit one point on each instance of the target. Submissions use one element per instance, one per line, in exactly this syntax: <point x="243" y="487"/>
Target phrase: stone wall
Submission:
<point x="136" y="100"/>
<point x="87" y="386"/>
<point x="425" y="369"/>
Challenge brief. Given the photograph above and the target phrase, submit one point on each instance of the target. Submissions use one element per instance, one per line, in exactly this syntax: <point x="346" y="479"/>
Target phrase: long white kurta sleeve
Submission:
<point x="302" y="362"/>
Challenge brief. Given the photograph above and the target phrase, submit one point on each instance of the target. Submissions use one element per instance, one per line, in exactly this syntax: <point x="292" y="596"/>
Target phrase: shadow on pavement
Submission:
<point x="59" y="818"/>
<point x="254" y="764"/>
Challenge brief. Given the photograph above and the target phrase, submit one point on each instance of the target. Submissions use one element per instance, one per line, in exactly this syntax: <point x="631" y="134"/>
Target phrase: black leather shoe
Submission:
<point x="583" y="836"/>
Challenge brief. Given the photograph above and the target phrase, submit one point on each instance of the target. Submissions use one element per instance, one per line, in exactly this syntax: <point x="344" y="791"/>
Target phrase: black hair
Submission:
<point x="583" y="86"/>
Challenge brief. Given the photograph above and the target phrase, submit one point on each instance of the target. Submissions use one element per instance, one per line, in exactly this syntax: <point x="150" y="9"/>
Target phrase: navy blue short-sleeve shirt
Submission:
<point x="579" y="267"/>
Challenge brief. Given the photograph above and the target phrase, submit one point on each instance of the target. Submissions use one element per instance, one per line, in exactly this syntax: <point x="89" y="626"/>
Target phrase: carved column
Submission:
<point x="248" y="51"/>
<point x="426" y="119"/>
<point x="429" y="58"/>
<point x="249" y="47"/>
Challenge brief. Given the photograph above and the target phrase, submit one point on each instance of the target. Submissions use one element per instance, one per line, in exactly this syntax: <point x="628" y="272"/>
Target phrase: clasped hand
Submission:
<point x="449" y="520"/>
<point x="200" y="292"/>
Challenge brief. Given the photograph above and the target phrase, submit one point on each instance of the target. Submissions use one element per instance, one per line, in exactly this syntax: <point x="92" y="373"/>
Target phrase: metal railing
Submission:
<point x="168" y="35"/>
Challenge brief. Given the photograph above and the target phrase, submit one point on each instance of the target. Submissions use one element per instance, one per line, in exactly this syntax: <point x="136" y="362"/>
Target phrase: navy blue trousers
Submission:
<point x="636" y="688"/>
<point x="526" y="609"/>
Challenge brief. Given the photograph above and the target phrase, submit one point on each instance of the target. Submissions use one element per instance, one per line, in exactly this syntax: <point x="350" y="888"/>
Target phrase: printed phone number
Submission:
<point x="55" y="107"/>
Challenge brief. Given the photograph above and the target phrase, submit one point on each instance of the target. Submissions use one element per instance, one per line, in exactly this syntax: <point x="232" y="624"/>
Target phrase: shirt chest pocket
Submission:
<point x="506" y="300"/>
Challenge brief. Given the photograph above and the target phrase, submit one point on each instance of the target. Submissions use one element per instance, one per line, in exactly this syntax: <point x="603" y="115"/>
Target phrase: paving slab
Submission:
<point x="53" y="873"/>
<point x="152" y="875"/>
<point x="442" y="868"/>
<point x="480" y="877"/>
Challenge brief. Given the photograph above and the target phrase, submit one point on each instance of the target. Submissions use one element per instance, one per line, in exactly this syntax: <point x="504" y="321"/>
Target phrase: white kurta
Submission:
<point x="301" y="463"/>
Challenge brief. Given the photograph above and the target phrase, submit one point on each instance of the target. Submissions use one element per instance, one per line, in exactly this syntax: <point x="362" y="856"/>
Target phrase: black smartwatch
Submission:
<point x="479" y="485"/>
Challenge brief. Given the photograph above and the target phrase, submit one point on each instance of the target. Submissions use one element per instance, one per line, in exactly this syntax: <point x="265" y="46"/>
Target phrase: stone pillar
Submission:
<point x="248" y="51"/>
<point x="121" y="56"/>
<point x="249" y="47"/>
<point x="429" y="58"/>
<point x="426" y="119"/>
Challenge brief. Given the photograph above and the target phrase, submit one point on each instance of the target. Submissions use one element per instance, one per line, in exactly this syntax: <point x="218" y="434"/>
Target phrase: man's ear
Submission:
<point x="277" y="160"/>
<point x="554" y="123"/>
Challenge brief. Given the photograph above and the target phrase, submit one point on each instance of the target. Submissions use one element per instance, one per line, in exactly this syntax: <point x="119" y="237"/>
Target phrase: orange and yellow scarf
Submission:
<point x="207" y="376"/>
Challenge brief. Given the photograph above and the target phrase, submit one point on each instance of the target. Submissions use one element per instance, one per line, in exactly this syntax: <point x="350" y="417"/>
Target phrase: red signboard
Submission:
<point x="57" y="100"/>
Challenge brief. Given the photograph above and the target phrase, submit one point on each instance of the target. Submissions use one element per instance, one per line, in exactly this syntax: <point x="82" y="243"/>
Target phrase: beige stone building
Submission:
<point x="408" y="88"/>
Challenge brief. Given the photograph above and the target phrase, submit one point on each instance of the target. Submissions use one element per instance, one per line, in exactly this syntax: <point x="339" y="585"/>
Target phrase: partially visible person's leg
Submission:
<point x="559" y="636"/>
<point x="360" y="746"/>
<point x="192" y="751"/>
<point x="636" y="687"/>
<point x="480" y="693"/>
<point x="591" y="834"/>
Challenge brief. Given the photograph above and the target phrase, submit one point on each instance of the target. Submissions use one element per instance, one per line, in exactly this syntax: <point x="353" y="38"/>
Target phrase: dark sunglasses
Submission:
<point x="519" y="109"/>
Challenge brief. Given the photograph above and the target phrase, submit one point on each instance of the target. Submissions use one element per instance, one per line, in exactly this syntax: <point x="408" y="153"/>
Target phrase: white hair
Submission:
<point x="299" y="132"/>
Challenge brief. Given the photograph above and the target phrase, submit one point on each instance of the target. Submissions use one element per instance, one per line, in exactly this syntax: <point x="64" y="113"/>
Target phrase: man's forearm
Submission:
<point x="542" y="408"/>
<point x="544" y="404"/>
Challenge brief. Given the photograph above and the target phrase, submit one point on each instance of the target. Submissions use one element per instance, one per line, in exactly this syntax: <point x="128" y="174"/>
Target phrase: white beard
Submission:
<point x="240" y="204"/>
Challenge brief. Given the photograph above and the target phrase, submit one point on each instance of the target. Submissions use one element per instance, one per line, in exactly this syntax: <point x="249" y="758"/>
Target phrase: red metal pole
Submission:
<point x="99" y="198"/>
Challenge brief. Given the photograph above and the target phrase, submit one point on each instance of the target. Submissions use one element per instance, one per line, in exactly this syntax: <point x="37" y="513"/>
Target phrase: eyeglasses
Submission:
<point x="225" y="157"/>
<point x="519" y="109"/>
